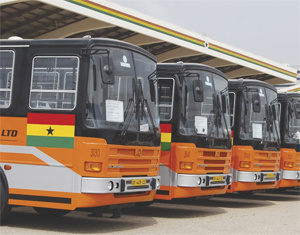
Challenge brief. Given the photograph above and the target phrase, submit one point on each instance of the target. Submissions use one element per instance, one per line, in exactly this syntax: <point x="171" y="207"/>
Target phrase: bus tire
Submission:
<point x="4" y="207"/>
<point x="50" y="212"/>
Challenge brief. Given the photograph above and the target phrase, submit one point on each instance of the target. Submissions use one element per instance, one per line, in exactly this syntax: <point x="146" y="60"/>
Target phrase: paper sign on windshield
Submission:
<point x="201" y="125"/>
<point x="256" y="131"/>
<point x="144" y="127"/>
<point x="114" y="111"/>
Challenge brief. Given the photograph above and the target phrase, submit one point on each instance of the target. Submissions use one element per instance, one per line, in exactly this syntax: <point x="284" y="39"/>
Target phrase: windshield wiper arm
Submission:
<point x="128" y="113"/>
<point x="144" y="101"/>
<point x="226" y="126"/>
<point x="150" y="116"/>
<point x="140" y="103"/>
<point x="214" y="111"/>
<point x="273" y="119"/>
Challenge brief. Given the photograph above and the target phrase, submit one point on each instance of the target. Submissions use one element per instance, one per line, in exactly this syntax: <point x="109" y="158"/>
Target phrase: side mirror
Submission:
<point x="198" y="91"/>
<point x="256" y="103"/>
<point x="297" y="110"/>
<point x="107" y="72"/>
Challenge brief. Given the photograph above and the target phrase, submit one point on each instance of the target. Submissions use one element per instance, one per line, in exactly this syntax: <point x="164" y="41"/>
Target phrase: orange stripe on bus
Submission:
<point x="21" y="158"/>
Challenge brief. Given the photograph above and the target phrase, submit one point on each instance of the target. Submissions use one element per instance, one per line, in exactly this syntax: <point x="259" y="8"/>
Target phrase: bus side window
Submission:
<point x="166" y="95"/>
<point x="7" y="58"/>
<point x="232" y="107"/>
<point x="54" y="82"/>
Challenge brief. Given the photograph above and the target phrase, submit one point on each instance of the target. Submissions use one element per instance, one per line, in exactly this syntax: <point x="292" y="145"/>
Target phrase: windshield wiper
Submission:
<point x="270" y="123"/>
<point x="209" y="131"/>
<point x="223" y="115"/>
<point x="218" y="115"/>
<point x="140" y="104"/>
<point x="273" y="119"/>
<point x="144" y="102"/>
<point x="129" y="111"/>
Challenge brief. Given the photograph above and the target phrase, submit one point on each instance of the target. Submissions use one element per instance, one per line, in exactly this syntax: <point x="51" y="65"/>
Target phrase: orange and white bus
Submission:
<point x="79" y="127"/>
<point x="256" y="136"/>
<point x="290" y="139"/>
<point x="195" y="131"/>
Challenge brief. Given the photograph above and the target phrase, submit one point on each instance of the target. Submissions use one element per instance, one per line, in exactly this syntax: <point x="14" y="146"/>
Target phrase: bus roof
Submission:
<point x="77" y="42"/>
<point x="236" y="83"/>
<point x="171" y="68"/>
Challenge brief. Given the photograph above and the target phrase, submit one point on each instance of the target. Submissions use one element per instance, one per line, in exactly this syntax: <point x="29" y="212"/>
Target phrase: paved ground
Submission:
<point x="262" y="213"/>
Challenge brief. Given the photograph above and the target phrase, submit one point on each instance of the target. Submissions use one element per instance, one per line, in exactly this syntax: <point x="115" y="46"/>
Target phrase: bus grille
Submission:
<point x="213" y="161"/>
<point x="266" y="161"/>
<point x="133" y="161"/>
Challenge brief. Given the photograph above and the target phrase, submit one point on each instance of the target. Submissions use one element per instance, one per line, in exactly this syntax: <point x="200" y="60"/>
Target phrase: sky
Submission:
<point x="267" y="28"/>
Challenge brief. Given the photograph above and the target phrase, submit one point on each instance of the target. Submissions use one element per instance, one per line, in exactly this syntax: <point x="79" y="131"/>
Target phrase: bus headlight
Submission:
<point x="255" y="176"/>
<point x="245" y="164"/>
<point x="289" y="164"/>
<point x="93" y="166"/>
<point x="157" y="183"/>
<point x="186" y="165"/>
<point x="110" y="185"/>
<point x="228" y="180"/>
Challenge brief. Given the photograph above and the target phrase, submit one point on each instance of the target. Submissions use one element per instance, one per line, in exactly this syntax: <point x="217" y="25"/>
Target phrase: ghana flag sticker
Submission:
<point x="166" y="135"/>
<point x="50" y="130"/>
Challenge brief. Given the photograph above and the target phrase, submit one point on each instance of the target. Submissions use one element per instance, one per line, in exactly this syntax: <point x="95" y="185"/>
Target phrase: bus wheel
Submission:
<point x="50" y="212"/>
<point x="5" y="208"/>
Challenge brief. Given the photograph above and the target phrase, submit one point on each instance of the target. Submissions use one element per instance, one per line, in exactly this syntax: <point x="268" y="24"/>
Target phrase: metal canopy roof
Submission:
<point x="76" y="18"/>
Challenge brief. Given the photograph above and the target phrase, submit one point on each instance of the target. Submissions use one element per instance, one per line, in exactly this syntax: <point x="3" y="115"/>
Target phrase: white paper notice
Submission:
<point x="256" y="130"/>
<point x="114" y="111"/>
<point x="144" y="127"/>
<point x="201" y="125"/>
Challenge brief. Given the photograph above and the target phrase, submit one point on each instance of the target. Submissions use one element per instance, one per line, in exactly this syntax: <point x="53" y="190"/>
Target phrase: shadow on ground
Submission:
<point x="74" y="222"/>
<point x="173" y="210"/>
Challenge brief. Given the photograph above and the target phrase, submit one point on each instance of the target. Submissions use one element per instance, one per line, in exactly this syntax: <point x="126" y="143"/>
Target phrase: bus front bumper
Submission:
<point x="119" y="185"/>
<point x="257" y="177"/>
<point x="290" y="175"/>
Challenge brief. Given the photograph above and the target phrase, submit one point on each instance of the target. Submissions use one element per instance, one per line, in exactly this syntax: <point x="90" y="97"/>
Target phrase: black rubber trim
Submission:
<point x="163" y="192"/>
<point x="40" y="198"/>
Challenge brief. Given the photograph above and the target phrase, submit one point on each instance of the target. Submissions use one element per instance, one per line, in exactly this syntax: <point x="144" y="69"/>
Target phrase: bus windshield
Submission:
<point x="204" y="116"/>
<point x="292" y="128"/>
<point x="260" y="115"/>
<point x="121" y="93"/>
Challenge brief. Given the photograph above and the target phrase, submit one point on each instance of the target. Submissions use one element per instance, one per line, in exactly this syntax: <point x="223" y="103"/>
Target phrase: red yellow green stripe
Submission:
<point x="166" y="136"/>
<point x="59" y="130"/>
<point x="52" y="142"/>
<point x="295" y="90"/>
<point x="135" y="20"/>
<point x="173" y="33"/>
<point x="249" y="59"/>
<point x="50" y="130"/>
<point x="50" y="118"/>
